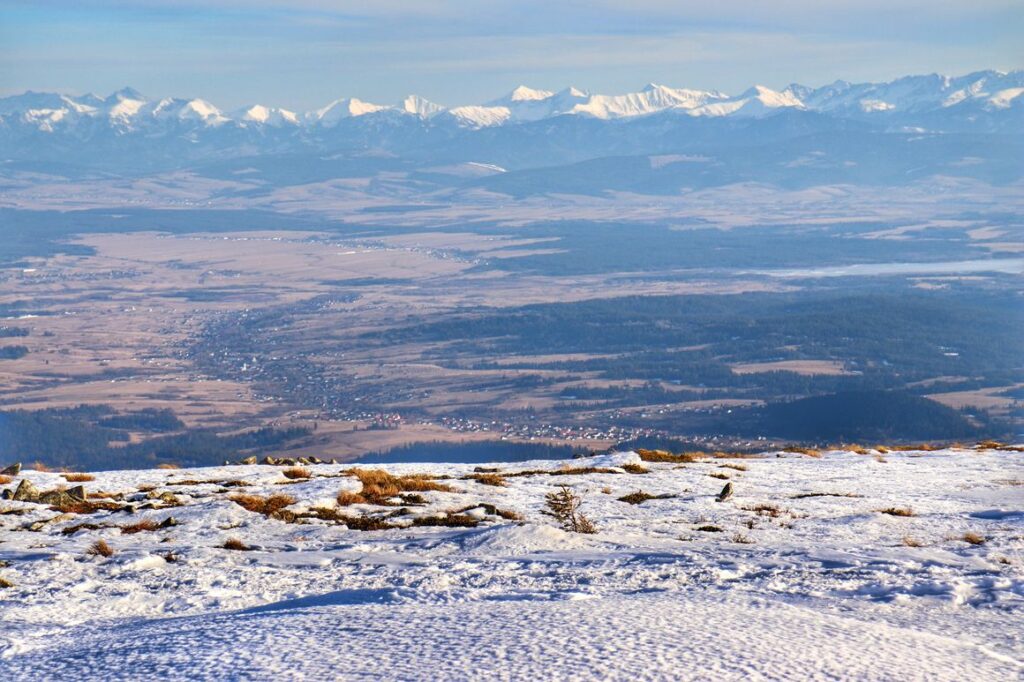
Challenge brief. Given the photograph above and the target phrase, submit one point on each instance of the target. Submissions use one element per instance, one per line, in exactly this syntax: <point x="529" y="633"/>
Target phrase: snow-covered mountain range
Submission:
<point x="128" y="110"/>
<point x="527" y="128"/>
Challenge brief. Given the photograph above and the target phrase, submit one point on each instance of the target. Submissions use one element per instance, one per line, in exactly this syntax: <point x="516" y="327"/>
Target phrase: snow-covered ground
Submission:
<point x="822" y="587"/>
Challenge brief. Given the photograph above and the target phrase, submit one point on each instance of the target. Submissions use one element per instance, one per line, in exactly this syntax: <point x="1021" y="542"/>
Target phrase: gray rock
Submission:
<point x="26" y="492"/>
<point x="269" y="460"/>
<point x="6" y="494"/>
<point x="304" y="460"/>
<point x="315" y="460"/>
<point x="248" y="460"/>
<point x="169" y="522"/>
<point x="726" y="492"/>
<point x="12" y="470"/>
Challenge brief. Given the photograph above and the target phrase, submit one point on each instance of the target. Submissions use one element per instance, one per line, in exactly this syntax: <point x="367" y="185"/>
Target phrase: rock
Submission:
<point x="269" y="460"/>
<point x="286" y="461"/>
<point x="78" y="492"/>
<point x="26" y="492"/>
<point x="248" y="460"/>
<point x="726" y="492"/>
<point x="63" y="498"/>
<point x="6" y="494"/>
<point x="169" y="522"/>
<point x="304" y="460"/>
<point x="315" y="460"/>
<point x="12" y="470"/>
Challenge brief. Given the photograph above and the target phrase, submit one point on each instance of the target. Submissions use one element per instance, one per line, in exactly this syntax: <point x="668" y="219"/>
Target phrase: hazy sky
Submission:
<point x="304" y="53"/>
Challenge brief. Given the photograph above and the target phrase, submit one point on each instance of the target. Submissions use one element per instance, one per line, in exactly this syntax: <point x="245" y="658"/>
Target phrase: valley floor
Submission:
<point x="799" y="575"/>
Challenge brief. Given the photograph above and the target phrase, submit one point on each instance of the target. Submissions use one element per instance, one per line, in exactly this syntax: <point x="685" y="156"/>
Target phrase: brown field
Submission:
<point x="804" y="367"/>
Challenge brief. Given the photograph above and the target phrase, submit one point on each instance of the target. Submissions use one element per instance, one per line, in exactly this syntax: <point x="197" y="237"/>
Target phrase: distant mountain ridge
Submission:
<point x="842" y="132"/>
<point x="129" y="110"/>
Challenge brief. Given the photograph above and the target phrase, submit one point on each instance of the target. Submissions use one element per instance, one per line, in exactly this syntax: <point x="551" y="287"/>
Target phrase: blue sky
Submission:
<point x="304" y="53"/>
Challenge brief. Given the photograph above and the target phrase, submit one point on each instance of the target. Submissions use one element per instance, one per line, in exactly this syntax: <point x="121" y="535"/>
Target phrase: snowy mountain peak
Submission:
<point x="340" y="109"/>
<point x="414" y="104"/>
<point x="271" y="116"/>
<point x="525" y="94"/>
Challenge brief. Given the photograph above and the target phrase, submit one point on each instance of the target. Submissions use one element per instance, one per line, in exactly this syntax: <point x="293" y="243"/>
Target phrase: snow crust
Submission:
<point x="818" y="584"/>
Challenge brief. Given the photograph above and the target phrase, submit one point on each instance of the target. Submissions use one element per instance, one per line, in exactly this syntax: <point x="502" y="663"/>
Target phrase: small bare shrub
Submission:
<point x="100" y="548"/>
<point x="897" y="511"/>
<point x="236" y="544"/>
<point x="296" y="473"/>
<point x="78" y="478"/>
<point x="564" y="506"/>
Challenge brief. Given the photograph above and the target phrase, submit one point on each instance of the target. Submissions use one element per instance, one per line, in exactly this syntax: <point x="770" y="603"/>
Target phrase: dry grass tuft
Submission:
<point x="920" y="447"/>
<point x="347" y="497"/>
<point x="78" y="478"/>
<point x="665" y="457"/>
<point x="167" y="465"/>
<point x="268" y="506"/>
<point x="4" y="479"/>
<point x="236" y="544"/>
<point x="493" y="479"/>
<point x="911" y="542"/>
<point x="100" y="548"/>
<point x="897" y="511"/>
<point x="296" y="473"/>
<point x="769" y="510"/>
<point x="635" y="469"/>
<point x="5" y="583"/>
<point x="741" y="539"/>
<point x="856" y="449"/>
<point x="379" y="486"/>
<point x="144" y="525"/>
<point x="639" y="497"/>
<point x="720" y="476"/>
<point x="800" y="450"/>
<point x="39" y="466"/>
<point x="973" y="539"/>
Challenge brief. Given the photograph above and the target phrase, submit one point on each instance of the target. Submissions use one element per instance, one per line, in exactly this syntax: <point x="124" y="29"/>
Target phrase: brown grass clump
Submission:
<point x="379" y="486"/>
<point x="803" y="496"/>
<point x="897" y="511"/>
<point x="665" y="457"/>
<point x="100" y="548"/>
<point x="5" y="583"/>
<point x="167" y="465"/>
<point x="990" y="445"/>
<point x="973" y="539"/>
<point x="911" y="542"/>
<point x="881" y="448"/>
<point x="800" y="450"/>
<point x="296" y="473"/>
<point x="39" y="466"/>
<point x="635" y="469"/>
<point x="237" y="545"/>
<point x="770" y="510"/>
<point x="639" y="497"/>
<point x="347" y="497"/>
<point x="856" y="449"/>
<point x="268" y="506"/>
<point x="144" y="525"/>
<point x="493" y="479"/>
<point x="922" y="447"/>
<point x="449" y="520"/>
<point x="4" y="479"/>
<point x="78" y="478"/>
